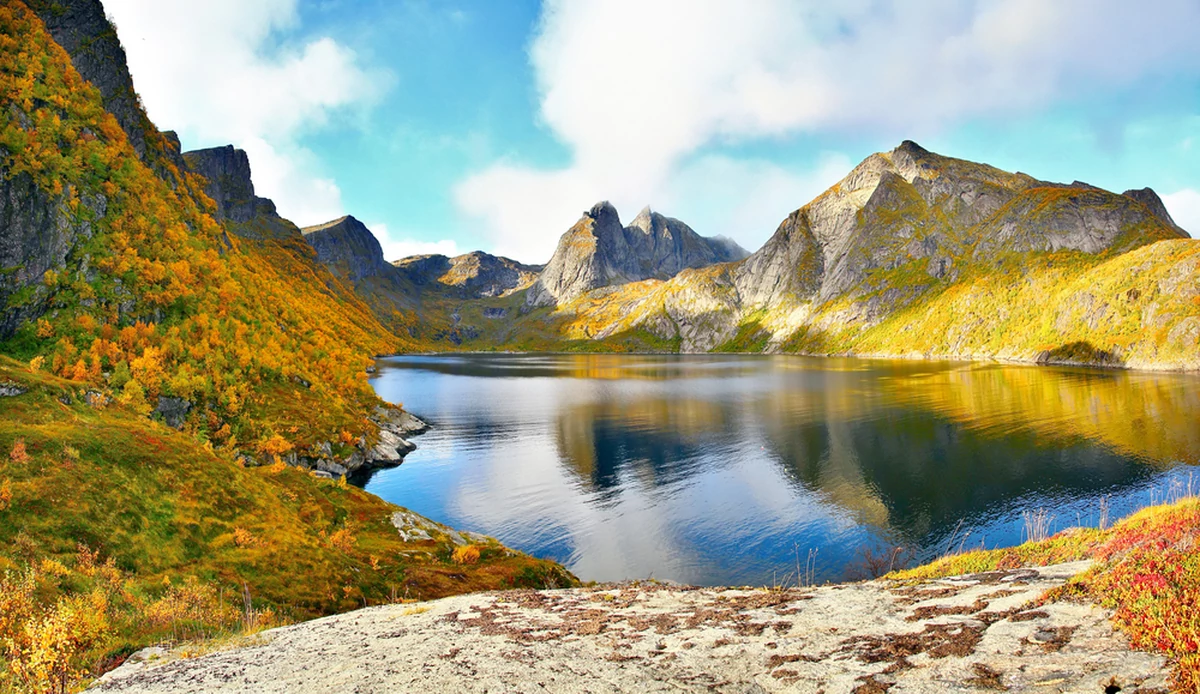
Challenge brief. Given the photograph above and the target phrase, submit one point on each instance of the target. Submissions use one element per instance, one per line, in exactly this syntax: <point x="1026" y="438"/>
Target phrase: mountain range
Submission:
<point x="911" y="254"/>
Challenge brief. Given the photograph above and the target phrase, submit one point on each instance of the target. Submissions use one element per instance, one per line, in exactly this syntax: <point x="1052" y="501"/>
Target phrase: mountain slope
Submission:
<point x="470" y="275"/>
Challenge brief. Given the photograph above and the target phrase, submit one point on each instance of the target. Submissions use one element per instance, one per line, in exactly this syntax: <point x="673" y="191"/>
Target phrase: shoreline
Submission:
<point x="872" y="356"/>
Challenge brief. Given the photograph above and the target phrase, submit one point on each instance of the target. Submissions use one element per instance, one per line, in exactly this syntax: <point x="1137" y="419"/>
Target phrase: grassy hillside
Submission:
<point x="119" y="532"/>
<point x="1139" y="309"/>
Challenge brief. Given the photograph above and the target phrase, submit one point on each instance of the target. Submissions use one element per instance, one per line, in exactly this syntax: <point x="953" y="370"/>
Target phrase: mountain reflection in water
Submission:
<point x="730" y="469"/>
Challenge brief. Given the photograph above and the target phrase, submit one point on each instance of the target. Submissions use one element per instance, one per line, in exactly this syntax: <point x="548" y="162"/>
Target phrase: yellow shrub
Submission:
<point x="342" y="540"/>
<point x="45" y="651"/>
<point x="467" y="554"/>
<point x="5" y="494"/>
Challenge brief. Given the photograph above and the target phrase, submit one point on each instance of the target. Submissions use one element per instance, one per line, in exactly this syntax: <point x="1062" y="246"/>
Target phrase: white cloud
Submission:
<point x="1184" y="207"/>
<point x="396" y="246"/>
<point x="635" y="87"/>
<point x="744" y="199"/>
<point x="216" y="72"/>
<point x="288" y="178"/>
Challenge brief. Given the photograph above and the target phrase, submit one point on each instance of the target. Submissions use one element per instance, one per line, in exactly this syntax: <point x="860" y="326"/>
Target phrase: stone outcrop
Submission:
<point x="348" y="248"/>
<point x="172" y="411"/>
<point x="38" y="232"/>
<point x="470" y="275"/>
<point x="388" y="449"/>
<point x="599" y="252"/>
<point x="980" y="632"/>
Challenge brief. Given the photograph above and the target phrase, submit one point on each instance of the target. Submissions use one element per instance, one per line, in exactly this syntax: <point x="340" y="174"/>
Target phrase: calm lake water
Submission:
<point x="735" y="469"/>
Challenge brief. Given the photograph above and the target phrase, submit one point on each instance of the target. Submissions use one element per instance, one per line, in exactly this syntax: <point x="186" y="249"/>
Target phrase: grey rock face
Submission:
<point x="10" y="390"/>
<point x="229" y="185"/>
<point x="173" y="411"/>
<point x="599" y="252"/>
<point x="37" y="233"/>
<point x="911" y="204"/>
<point x="349" y="248"/>
<point x="1150" y="199"/>
<point x="394" y="426"/>
<point x="84" y="32"/>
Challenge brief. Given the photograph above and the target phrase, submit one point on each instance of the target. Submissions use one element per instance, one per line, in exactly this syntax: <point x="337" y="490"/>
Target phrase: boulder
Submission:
<point x="172" y="411"/>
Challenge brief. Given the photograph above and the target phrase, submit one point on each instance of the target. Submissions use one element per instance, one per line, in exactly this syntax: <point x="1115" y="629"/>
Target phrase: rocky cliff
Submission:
<point x="348" y="247"/>
<point x="226" y="171"/>
<point x="83" y="30"/>
<point x="599" y="252"/>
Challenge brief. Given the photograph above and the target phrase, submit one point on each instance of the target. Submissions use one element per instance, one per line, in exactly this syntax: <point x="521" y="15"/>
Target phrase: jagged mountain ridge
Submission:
<point x="599" y="252"/>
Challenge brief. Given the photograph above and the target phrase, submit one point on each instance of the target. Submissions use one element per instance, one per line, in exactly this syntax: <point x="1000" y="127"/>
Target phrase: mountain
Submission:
<point x="598" y="252"/>
<point x="911" y="205"/>
<point x="475" y="274"/>
<point x="348" y="247"/>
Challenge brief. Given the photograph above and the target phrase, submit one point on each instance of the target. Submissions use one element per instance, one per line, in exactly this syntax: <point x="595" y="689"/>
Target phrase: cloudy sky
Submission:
<point x="451" y="125"/>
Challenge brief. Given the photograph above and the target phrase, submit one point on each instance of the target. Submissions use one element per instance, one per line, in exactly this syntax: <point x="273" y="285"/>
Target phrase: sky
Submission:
<point x="454" y="125"/>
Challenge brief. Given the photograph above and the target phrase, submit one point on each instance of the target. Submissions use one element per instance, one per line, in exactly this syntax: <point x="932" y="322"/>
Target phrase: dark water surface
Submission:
<point x="733" y="469"/>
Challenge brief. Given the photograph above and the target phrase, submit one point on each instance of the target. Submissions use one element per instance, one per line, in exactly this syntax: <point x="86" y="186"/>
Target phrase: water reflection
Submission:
<point x="723" y="469"/>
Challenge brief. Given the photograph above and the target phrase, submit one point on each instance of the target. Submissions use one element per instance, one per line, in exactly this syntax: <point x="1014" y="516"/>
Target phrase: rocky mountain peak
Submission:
<point x="229" y="184"/>
<point x="604" y="213"/>
<point x="912" y="204"/>
<point x="1150" y="199"/>
<point x="348" y="248"/>
<point x="599" y="252"/>
<point x="644" y="219"/>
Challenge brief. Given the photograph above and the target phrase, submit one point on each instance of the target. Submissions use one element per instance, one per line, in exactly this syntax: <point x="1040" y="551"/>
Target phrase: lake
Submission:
<point x="737" y="470"/>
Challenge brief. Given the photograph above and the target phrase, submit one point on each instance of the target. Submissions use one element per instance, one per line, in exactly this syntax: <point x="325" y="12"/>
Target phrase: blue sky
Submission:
<point x="451" y="125"/>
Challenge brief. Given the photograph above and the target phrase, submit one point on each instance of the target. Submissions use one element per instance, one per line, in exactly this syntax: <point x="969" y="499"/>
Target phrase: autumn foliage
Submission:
<point x="169" y="302"/>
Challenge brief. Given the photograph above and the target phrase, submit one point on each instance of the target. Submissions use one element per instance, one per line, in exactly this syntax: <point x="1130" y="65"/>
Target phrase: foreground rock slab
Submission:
<point x="962" y="634"/>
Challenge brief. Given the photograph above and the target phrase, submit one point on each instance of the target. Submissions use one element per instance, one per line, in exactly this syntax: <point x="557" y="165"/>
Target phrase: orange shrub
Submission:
<point x="18" y="454"/>
<point x="244" y="538"/>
